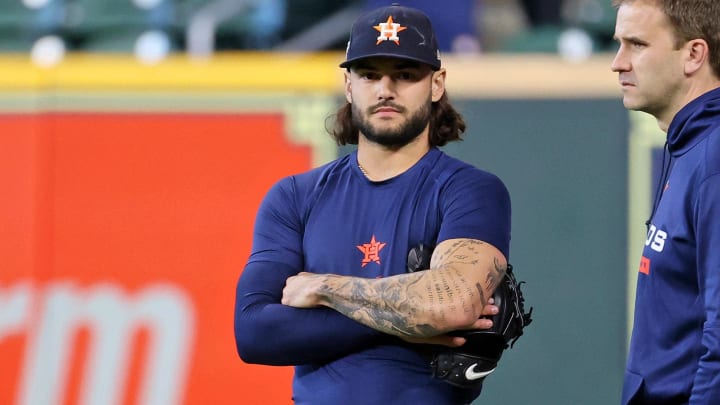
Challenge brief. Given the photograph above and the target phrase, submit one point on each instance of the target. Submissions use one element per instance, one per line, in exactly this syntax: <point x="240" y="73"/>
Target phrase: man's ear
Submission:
<point x="348" y="88"/>
<point x="438" y="84"/>
<point x="697" y="55"/>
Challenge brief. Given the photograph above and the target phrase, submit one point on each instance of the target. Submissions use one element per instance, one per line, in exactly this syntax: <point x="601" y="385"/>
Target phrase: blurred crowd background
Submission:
<point x="154" y="29"/>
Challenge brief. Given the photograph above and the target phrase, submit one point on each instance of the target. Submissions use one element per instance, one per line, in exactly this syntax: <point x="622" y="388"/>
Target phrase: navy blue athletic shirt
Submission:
<point x="334" y="220"/>
<point x="674" y="353"/>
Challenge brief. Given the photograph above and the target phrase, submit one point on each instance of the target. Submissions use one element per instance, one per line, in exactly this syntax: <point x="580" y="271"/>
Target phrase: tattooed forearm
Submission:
<point x="463" y="251"/>
<point x="451" y="295"/>
<point x="495" y="275"/>
<point x="389" y="305"/>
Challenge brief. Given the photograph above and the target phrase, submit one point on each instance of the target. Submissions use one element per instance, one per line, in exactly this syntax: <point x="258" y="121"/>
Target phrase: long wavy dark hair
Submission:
<point x="446" y="124"/>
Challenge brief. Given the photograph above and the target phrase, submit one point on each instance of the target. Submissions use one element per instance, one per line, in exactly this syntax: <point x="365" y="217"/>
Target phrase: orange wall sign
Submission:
<point x="121" y="240"/>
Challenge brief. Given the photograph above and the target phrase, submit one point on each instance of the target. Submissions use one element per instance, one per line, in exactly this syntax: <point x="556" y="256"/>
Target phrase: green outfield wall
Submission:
<point x="565" y="165"/>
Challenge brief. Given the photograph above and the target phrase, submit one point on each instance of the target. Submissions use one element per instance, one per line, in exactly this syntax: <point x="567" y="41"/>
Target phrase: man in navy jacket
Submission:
<point x="668" y="65"/>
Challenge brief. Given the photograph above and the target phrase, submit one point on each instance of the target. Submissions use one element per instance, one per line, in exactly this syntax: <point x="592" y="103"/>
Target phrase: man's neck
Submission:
<point x="696" y="90"/>
<point x="379" y="162"/>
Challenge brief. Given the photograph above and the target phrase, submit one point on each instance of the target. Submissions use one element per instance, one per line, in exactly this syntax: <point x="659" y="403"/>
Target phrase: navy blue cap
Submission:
<point x="394" y="31"/>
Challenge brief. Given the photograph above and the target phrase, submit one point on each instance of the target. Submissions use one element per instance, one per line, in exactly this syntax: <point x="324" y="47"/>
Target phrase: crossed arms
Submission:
<point x="464" y="273"/>
<point x="353" y="313"/>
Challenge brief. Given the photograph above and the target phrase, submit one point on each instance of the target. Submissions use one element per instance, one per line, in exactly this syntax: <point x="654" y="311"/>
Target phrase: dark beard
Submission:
<point x="392" y="138"/>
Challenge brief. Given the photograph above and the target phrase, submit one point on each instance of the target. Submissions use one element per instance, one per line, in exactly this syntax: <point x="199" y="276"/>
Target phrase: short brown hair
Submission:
<point x="446" y="124"/>
<point x="691" y="19"/>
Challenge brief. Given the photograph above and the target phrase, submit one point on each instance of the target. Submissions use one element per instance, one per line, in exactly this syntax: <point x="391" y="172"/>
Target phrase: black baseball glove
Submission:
<point x="468" y="365"/>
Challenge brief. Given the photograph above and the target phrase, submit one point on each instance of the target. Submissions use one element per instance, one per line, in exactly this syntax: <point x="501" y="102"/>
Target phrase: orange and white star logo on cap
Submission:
<point x="389" y="31"/>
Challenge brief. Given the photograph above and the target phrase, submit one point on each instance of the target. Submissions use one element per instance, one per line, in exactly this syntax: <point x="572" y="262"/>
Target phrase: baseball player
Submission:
<point x="326" y="287"/>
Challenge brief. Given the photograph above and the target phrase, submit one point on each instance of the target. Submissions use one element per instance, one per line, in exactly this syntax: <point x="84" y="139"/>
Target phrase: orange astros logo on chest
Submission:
<point x="371" y="251"/>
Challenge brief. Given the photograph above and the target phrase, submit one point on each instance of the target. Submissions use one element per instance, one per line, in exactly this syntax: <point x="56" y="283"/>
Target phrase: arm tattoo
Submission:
<point x="416" y="304"/>
<point x="495" y="275"/>
<point x="386" y="305"/>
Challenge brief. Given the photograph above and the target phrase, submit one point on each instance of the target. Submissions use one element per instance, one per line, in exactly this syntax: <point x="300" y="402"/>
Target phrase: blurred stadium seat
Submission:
<point x="586" y="27"/>
<point x="219" y="25"/>
<point x="305" y="15"/>
<point x="285" y="25"/>
<point x="127" y="26"/>
<point x="597" y="17"/>
<point x="22" y="22"/>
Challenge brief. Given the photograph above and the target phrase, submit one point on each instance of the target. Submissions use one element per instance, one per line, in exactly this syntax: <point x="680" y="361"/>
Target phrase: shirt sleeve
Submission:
<point x="477" y="206"/>
<point x="267" y="332"/>
<point x="706" y="387"/>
